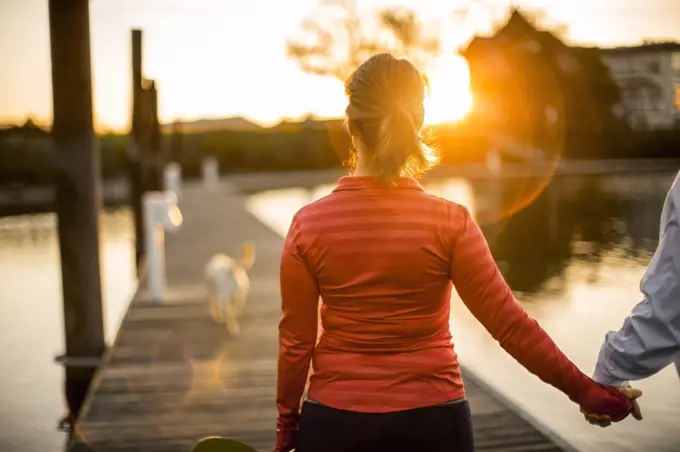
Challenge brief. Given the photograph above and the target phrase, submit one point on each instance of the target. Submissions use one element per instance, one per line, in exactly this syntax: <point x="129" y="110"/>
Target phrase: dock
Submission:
<point x="173" y="376"/>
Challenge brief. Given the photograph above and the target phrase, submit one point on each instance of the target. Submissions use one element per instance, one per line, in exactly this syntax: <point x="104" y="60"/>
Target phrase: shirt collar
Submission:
<point x="366" y="182"/>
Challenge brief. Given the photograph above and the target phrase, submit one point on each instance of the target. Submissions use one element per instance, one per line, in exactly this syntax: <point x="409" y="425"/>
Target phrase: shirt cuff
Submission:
<point x="605" y="379"/>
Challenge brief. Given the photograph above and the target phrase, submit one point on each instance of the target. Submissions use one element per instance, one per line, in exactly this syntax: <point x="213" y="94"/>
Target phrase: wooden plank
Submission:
<point x="174" y="376"/>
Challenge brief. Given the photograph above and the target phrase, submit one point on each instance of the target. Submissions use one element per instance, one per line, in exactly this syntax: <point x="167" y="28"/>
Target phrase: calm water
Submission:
<point x="574" y="257"/>
<point x="31" y="322"/>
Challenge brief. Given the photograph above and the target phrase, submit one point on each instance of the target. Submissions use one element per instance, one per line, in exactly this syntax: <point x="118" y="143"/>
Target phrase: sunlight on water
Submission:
<point x="276" y="208"/>
<point x="576" y="307"/>
<point x="454" y="190"/>
<point x="577" y="318"/>
<point x="31" y="321"/>
<point x="277" y="212"/>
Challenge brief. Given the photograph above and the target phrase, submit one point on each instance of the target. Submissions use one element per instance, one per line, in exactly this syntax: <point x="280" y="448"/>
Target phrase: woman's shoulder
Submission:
<point x="314" y="208"/>
<point x="451" y="207"/>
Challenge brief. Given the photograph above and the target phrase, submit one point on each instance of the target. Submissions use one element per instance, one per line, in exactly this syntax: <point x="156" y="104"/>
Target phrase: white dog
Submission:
<point x="227" y="285"/>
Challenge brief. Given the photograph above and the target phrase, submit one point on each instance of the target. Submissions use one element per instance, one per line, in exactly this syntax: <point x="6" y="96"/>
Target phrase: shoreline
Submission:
<point x="25" y="200"/>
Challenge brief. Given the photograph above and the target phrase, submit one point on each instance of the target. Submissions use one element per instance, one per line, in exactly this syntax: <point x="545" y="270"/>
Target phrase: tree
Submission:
<point x="409" y="39"/>
<point x="337" y="39"/>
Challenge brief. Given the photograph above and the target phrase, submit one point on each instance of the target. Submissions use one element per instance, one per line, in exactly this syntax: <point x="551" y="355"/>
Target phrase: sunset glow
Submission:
<point x="450" y="98"/>
<point x="211" y="58"/>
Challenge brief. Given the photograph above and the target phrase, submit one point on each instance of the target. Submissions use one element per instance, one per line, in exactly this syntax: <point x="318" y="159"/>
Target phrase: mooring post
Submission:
<point x="210" y="170"/>
<point x="160" y="214"/>
<point x="136" y="146"/>
<point x="155" y="155"/>
<point x="172" y="178"/>
<point x="78" y="198"/>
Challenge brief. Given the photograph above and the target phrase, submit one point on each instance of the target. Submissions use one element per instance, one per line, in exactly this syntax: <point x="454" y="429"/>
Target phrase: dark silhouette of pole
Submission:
<point x="155" y="144"/>
<point x="146" y="171"/>
<point x="77" y="180"/>
<point x="136" y="147"/>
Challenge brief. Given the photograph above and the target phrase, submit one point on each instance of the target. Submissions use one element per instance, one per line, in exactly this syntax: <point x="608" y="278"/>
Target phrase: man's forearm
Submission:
<point x="605" y="372"/>
<point x="642" y="347"/>
<point x="650" y="338"/>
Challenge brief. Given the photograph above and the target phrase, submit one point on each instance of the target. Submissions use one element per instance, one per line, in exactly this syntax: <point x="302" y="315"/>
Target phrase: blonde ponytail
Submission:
<point x="386" y="109"/>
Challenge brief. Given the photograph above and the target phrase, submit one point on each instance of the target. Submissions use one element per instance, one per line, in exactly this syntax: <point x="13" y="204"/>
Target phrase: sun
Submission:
<point x="450" y="98"/>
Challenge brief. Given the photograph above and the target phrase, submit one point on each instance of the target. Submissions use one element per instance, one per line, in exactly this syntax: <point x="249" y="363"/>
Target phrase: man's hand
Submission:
<point x="606" y="421"/>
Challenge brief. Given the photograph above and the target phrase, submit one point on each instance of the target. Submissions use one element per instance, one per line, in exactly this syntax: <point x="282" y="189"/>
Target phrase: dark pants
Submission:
<point x="444" y="428"/>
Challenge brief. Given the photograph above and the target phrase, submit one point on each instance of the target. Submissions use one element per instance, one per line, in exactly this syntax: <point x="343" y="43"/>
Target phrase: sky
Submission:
<point x="221" y="58"/>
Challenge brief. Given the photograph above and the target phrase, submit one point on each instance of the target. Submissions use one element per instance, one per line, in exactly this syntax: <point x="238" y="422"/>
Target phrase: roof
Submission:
<point x="517" y="28"/>
<point x="652" y="47"/>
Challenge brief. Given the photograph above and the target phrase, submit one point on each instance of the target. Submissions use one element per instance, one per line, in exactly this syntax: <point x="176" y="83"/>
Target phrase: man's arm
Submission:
<point x="650" y="338"/>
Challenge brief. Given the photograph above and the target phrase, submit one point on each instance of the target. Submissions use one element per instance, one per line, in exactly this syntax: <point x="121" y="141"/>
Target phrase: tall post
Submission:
<point x="78" y="196"/>
<point x="176" y="142"/>
<point x="136" y="147"/>
<point x="155" y="149"/>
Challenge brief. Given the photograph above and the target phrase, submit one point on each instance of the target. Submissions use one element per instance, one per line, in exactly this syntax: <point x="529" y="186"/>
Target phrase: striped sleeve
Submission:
<point x="486" y="294"/>
<point x="297" y="331"/>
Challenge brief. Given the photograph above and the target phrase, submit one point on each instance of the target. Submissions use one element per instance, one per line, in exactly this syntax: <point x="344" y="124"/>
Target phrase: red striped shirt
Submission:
<point x="383" y="261"/>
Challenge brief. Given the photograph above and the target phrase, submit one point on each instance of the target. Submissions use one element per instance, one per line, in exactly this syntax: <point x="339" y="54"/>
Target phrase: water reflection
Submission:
<point x="574" y="257"/>
<point x="31" y="321"/>
<point x="577" y="218"/>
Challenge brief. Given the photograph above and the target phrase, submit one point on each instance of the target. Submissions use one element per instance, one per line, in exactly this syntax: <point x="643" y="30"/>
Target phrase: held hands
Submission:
<point x="605" y="420"/>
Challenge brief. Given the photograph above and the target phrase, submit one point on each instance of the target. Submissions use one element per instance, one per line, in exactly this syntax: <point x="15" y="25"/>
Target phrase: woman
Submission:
<point x="383" y="254"/>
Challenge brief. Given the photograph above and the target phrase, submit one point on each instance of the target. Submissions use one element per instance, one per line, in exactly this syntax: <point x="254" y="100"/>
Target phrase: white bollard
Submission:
<point x="211" y="172"/>
<point x="160" y="214"/>
<point x="172" y="178"/>
<point x="493" y="161"/>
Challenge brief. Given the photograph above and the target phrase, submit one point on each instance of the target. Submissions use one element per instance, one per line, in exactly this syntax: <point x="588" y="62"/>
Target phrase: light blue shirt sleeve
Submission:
<point x="650" y="338"/>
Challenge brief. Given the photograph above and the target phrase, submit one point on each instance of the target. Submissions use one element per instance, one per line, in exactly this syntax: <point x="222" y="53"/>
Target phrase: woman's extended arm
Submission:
<point x="486" y="294"/>
<point x="297" y="337"/>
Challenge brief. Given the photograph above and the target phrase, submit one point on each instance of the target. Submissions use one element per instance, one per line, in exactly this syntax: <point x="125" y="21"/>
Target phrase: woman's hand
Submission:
<point x="286" y="440"/>
<point x="605" y="420"/>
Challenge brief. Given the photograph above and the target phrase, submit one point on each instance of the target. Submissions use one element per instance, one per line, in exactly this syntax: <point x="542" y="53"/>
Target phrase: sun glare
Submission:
<point x="450" y="98"/>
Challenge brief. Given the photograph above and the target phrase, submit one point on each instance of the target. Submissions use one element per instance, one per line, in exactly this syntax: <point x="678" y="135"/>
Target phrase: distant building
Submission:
<point x="507" y="69"/>
<point x="649" y="78"/>
<point x="533" y="88"/>
<point x="524" y="75"/>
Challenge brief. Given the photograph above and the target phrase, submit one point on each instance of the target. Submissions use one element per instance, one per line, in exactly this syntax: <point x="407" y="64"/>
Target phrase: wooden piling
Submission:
<point x="134" y="146"/>
<point x="156" y="161"/>
<point x="146" y="159"/>
<point x="78" y="199"/>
